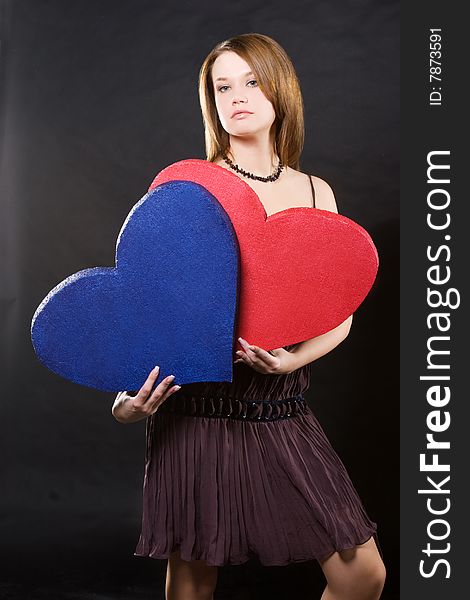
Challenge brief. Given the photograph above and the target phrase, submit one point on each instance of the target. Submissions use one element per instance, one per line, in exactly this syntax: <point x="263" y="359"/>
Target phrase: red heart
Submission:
<point x="303" y="270"/>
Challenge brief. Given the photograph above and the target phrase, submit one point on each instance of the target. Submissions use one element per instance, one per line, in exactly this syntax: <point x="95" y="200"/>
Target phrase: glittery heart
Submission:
<point x="303" y="270"/>
<point x="170" y="300"/>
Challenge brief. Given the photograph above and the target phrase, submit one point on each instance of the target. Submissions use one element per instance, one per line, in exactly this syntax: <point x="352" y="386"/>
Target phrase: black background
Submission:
<point x="97" y="97"/>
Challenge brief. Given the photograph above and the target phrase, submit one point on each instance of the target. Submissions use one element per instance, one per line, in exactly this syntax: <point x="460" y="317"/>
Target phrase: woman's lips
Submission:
<point x="241" y="115"/>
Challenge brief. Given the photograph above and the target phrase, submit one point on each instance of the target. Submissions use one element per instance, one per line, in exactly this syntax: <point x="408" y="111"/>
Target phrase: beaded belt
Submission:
<point x="233" y="408"/>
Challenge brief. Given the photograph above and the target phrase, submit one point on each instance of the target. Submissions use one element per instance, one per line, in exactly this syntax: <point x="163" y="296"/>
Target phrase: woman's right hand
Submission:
<point x="129" y="409"/>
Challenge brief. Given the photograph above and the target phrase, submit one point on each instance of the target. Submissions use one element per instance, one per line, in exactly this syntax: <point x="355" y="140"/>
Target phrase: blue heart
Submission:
<point x="170" y="300"/>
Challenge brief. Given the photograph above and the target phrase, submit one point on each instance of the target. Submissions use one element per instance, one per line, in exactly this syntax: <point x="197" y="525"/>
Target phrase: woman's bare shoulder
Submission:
<point x="324" y="196"/>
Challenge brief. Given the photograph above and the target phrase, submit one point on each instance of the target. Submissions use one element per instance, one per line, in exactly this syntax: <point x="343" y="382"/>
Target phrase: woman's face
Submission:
<point x="236" y="89"/>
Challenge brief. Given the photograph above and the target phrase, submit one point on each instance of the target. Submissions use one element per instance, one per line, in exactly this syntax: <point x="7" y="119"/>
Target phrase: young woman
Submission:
<point x="220" y="490"/>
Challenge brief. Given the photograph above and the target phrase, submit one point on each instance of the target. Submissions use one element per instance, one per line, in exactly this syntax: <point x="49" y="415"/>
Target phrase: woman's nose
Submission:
<point x="237" y="98"/>
<point x="238" y="95"/>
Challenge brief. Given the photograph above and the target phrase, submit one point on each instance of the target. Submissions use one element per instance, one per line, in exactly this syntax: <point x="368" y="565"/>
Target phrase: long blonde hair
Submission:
<point x="278" y="81"/>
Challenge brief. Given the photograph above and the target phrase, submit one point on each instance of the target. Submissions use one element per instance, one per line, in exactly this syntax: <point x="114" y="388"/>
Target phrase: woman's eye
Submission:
<point x="223" y="87"/>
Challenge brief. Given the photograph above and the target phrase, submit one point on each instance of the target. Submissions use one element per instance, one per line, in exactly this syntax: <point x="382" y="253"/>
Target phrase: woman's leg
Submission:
<point x="193" y="580"/>
<point x="355" y="574"/>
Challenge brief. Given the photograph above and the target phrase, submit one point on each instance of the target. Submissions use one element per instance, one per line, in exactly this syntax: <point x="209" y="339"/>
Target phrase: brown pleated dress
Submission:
<point x="243" y="470"/>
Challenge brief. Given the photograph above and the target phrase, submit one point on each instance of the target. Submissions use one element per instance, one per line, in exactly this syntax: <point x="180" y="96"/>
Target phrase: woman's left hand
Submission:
<point x="278" y="361"/>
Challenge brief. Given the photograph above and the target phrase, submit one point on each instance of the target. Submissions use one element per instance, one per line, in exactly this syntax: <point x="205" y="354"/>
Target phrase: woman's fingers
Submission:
<point x="259" y="359"/>
<point x="163" y="390"/>
<point x="264" y="355"/>
<point x="255" y="353"/>
<point x="248" y="354"/>
<point x="145" y="395"/>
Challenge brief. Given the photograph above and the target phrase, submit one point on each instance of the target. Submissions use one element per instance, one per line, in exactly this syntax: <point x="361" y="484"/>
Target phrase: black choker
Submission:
<point x="236" y="168"/>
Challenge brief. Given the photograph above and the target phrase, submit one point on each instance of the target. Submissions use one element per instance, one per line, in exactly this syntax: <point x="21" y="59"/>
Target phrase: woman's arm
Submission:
<point x="312" y="349"/>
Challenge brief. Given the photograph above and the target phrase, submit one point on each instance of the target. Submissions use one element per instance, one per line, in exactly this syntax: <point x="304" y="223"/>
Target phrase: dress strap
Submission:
<point x="313" y="191"/>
